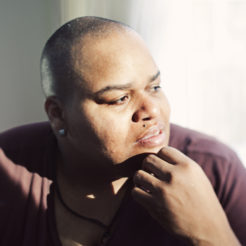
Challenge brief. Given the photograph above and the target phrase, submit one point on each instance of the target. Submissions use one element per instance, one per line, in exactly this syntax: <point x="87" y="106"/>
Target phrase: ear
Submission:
<point x="55" y="112"/>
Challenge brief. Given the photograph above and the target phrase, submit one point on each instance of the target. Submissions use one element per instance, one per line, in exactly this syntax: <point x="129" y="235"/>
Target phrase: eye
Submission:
<point x="120" y="101"/>
<point x="156" y="88"/>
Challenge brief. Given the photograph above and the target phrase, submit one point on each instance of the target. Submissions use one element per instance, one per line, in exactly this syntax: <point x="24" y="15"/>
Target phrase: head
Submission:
<point x="103" y="87"/>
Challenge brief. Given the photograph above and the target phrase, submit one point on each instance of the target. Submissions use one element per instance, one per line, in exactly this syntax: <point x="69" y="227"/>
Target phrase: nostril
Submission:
<point x="146" y="118"/>
<point x="135" y="118"/>
<point x="145" y="112"/>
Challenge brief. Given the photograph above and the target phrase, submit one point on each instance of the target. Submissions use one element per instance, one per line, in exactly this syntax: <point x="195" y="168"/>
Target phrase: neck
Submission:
<point x="85" y="172"/>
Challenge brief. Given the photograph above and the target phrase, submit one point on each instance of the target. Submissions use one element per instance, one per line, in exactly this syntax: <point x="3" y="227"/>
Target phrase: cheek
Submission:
<point x="114" y="135"/>
<point x="165" y="109"/>
<point x="111" y="128"/>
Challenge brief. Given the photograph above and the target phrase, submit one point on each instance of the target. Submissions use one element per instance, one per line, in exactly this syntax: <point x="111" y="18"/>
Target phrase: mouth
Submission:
<point x="153" y="137"/>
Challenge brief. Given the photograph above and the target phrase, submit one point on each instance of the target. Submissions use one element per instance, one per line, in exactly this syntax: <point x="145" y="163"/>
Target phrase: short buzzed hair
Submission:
<point x="57" y="75"/>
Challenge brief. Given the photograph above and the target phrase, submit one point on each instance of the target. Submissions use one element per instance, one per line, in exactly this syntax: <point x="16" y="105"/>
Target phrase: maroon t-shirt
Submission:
<point x="26" y="190"/>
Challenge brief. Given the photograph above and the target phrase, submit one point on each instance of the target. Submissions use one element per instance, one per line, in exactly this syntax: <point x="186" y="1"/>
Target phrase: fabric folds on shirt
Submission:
<point x="27" y="163"/>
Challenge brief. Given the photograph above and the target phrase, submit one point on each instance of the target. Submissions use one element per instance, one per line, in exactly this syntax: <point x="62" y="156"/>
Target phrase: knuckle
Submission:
<point x="149" y="159"/>
<point x="163" y="150"/>
<point x="188" y="164"/>
<point x="149" y="162"/>
<point x="138" y="175"/>
<point x="134" y="191"/>
<point x="166" y="149"/>
<point x="185" y="165"/>
<point x="153" y="183"/>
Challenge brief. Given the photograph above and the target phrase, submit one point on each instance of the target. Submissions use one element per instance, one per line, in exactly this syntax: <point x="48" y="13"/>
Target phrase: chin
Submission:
<point x="153" y="150"/>
<point x="145" y="151"/>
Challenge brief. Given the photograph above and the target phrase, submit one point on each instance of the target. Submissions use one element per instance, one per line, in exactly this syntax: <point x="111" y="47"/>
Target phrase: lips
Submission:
<point x="153" y="137"/>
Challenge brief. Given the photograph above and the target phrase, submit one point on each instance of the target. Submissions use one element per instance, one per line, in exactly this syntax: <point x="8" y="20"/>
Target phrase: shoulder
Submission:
<point x="29" y="144"/>
<point x="199" y="144"/>
<point x="20" y="133"/>
<point x="223" y="168"/>
<point x="24" y="136"/>
<point x="219" y="162"/>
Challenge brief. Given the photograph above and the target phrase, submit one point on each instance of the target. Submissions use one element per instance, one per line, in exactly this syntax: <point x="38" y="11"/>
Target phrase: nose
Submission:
<point x="147" y="110"/>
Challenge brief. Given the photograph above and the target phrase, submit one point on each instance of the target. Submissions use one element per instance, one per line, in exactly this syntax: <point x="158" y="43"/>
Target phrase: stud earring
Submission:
<point x="62" y="132"/>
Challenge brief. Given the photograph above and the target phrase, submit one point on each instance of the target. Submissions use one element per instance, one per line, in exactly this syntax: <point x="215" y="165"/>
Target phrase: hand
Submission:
<point x="176" y="192"/>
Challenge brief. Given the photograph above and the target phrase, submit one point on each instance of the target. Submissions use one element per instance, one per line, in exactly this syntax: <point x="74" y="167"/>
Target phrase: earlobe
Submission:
<point x="62" y="132"/>
<point x="55" y="113"/>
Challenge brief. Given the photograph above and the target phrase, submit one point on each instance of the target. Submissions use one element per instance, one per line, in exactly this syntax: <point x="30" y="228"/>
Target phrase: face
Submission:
<point x="120" y="109"/>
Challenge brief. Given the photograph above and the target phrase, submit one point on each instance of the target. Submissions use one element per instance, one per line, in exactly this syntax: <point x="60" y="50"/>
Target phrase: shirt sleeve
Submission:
<point x="228" y="178"/>
<point x="224" y="170"/>
<point x="234" y="197"/>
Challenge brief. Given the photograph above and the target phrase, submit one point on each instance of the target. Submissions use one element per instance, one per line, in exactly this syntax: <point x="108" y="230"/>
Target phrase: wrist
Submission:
<point x="226" y="238"/>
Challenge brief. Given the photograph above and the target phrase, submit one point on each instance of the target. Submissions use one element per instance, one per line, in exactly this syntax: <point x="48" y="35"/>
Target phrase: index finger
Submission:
<point x="172" y="155"/>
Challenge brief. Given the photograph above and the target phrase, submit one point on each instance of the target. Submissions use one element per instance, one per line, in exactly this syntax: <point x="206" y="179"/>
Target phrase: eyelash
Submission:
<point x="124" y="98"/>
<point x="156" y="88"/>
<point x="119" y="101"/>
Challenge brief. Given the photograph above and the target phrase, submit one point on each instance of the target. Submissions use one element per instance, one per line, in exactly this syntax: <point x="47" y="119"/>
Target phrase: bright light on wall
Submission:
<point x="200" y="47"/>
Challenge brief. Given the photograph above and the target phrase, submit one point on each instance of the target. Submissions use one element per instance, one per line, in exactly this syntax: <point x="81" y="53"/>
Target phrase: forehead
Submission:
<point x="117" y="58"/>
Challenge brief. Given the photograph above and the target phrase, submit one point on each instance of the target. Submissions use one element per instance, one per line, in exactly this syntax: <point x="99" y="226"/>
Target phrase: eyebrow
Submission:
<point x="122" y="87"/>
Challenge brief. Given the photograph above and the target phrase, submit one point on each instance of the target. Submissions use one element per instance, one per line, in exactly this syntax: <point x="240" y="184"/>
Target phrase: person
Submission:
<point x="108" y="168"/>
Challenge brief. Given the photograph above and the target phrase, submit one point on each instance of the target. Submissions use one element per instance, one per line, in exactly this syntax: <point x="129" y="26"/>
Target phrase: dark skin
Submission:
<point x="175" y="191"/>
<point x="130" y="116"/>
<point x="99" y="200"/>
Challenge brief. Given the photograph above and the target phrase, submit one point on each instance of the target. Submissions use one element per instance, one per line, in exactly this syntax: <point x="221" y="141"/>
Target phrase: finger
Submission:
<point x="172" y="155"/>
<point x="158" y="167"/>
<point x="142" y="197"/>
<point x="146" y="181"/>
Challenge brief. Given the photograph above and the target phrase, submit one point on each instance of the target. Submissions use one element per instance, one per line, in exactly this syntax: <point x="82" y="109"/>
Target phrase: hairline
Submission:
<point x="49" y="85"/>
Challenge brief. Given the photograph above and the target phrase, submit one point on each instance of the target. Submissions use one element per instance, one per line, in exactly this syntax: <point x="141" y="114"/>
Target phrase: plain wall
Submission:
<point x="24" y="28"/>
